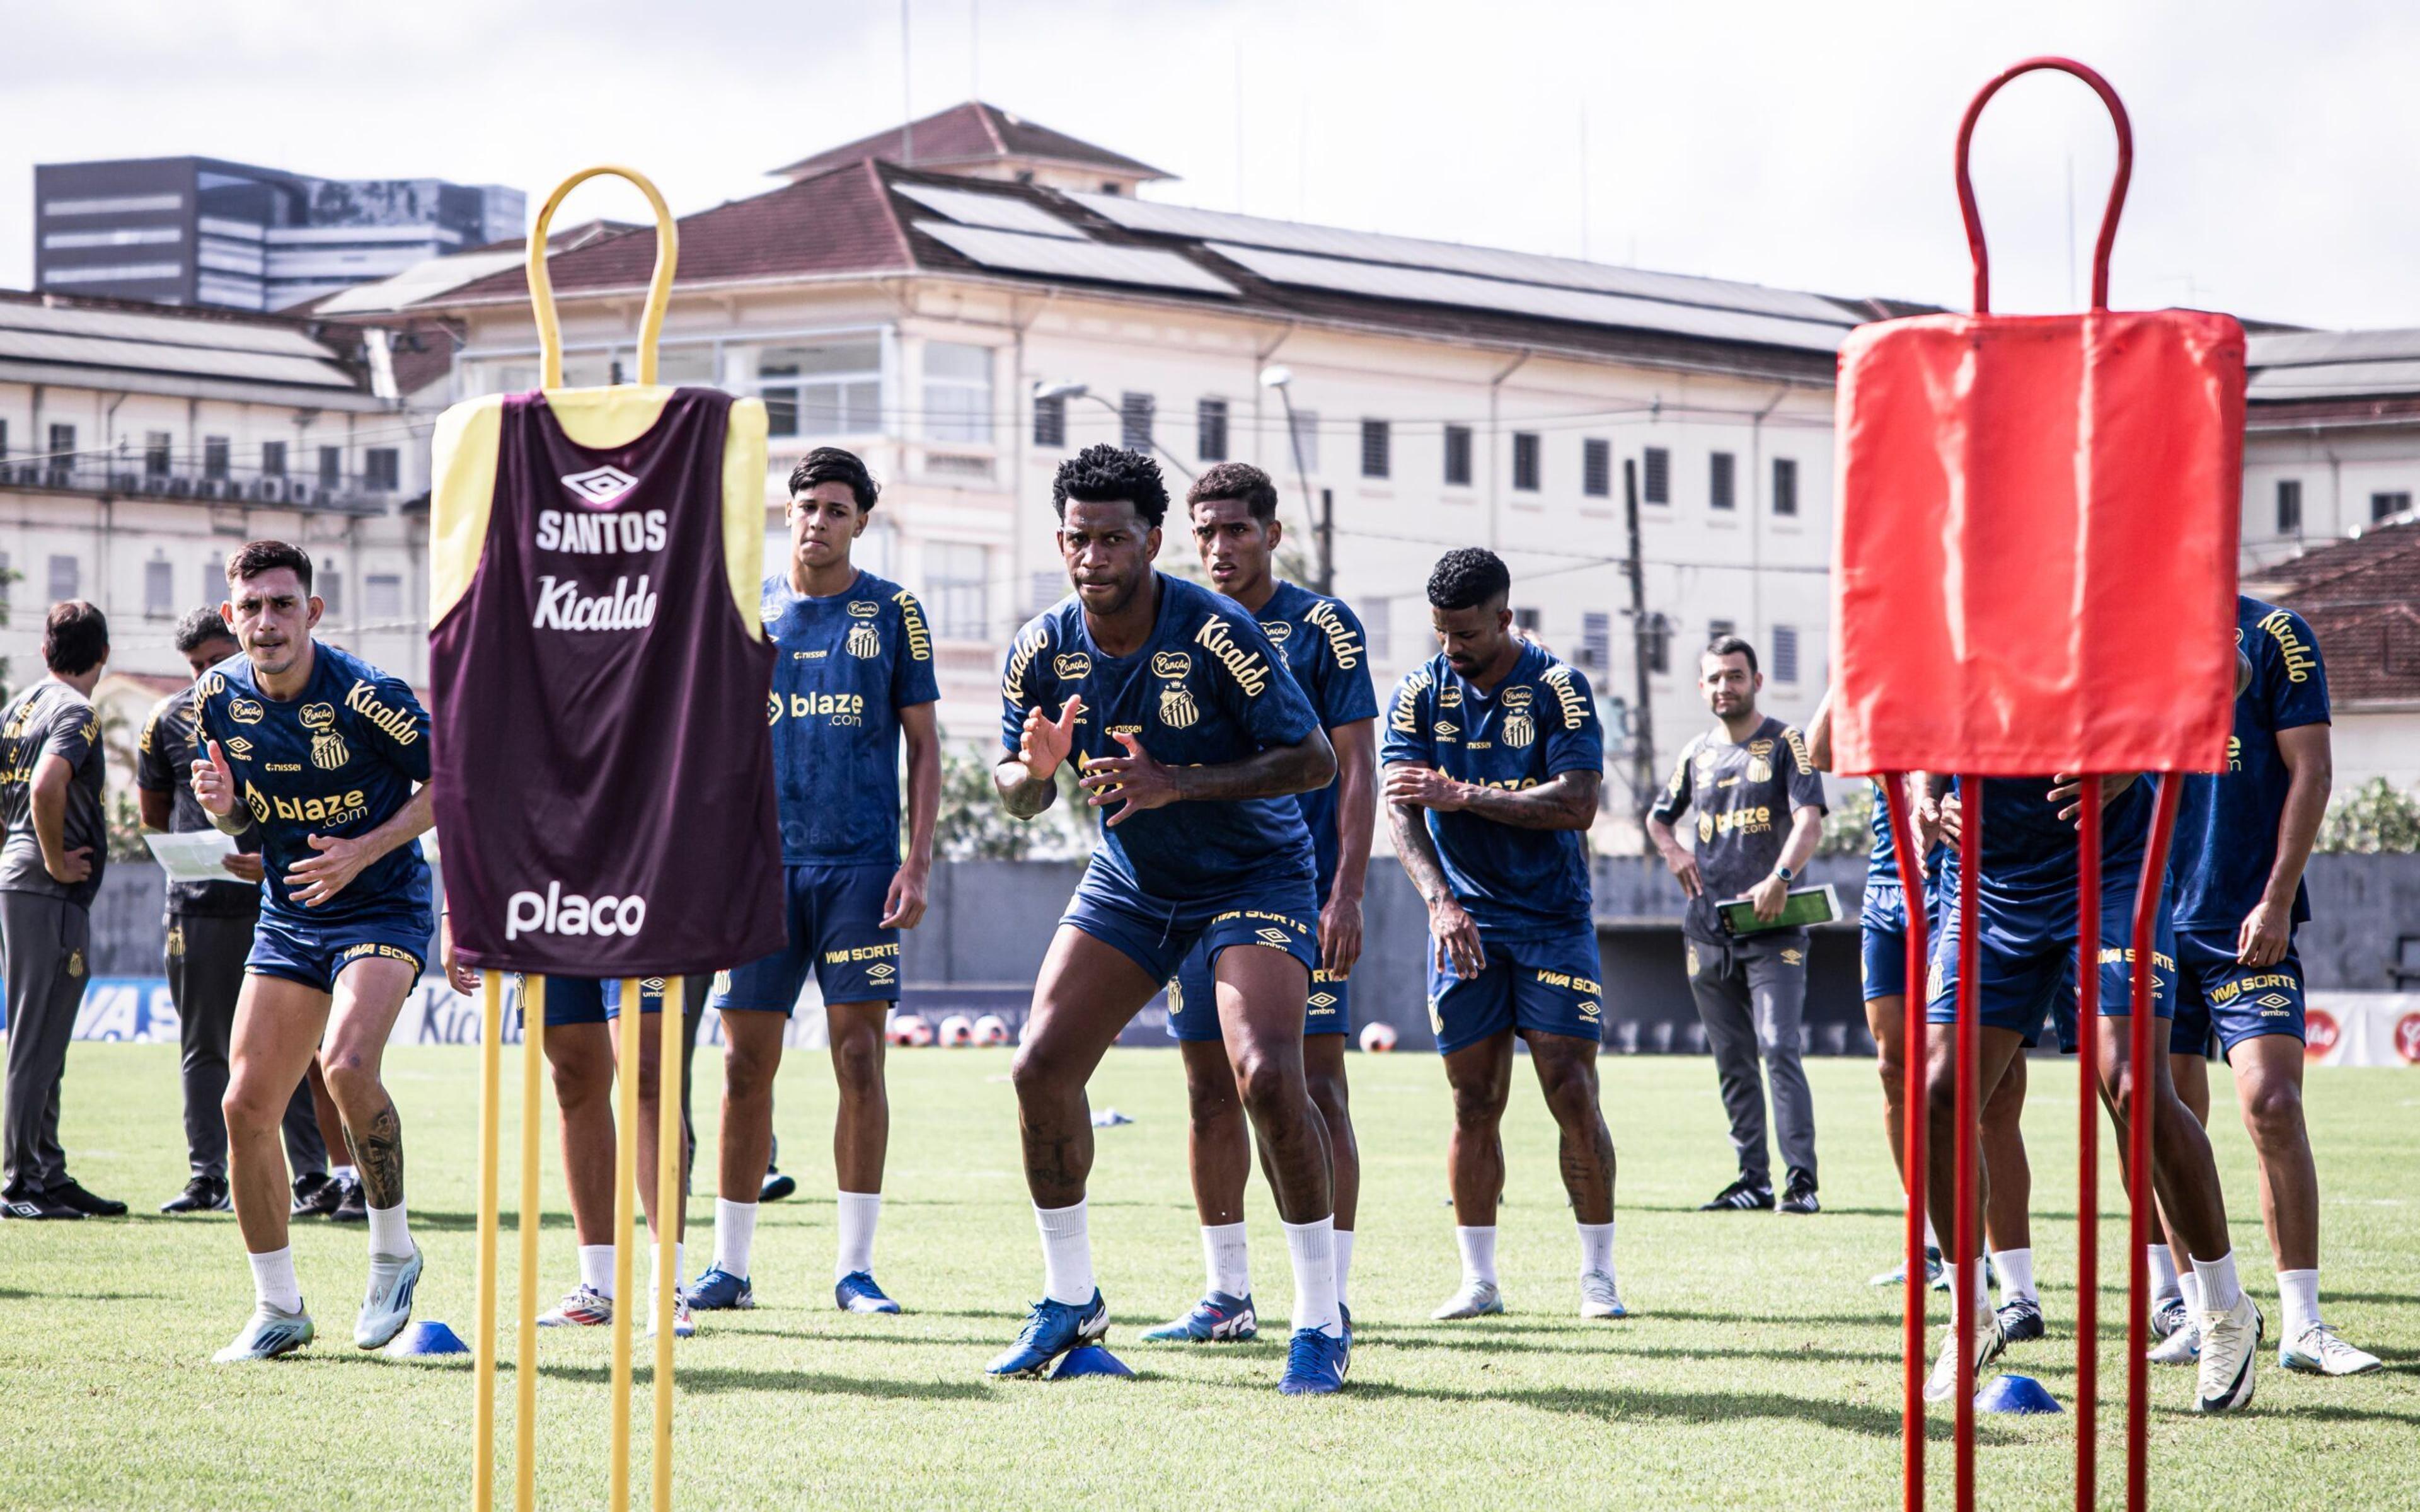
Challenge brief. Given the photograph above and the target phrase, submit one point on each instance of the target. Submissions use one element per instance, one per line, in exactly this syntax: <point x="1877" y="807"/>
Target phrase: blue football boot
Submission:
<point x="1052" y="1329"/>
<point x="719" y="1291"/>
<point x="1216" y="1318"/>
<point x="1315" y="1364"/>
<point x="858" y="1294"/>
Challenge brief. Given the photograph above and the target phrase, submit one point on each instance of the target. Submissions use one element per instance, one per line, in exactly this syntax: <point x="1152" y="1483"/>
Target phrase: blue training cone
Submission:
<point x="2015" y="1393"/>
<point x="421" y="1341"/>
<point x="1091" y="1359"/>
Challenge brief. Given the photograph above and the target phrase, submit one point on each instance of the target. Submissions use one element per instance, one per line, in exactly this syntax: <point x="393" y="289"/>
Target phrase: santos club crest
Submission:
<point x="1520" y="728"/>
<point x="327" y="751"/>
<point x="1177" y="709"/>
<point x="1760" y="761"/>
<point x="864" y="640"/>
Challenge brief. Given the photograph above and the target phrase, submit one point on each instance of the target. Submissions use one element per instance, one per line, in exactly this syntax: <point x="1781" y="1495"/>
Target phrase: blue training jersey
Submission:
<point x="2029" y="851"/>
<point x="843" y="667"/>
<point x="1882" y="862"/>
<point x="1325" y="650"/>
<point x="2227" y="825"/>
<point x="1539" y="722"/>
<point x="1206" y="690"/>
<point x="338" y="759"/>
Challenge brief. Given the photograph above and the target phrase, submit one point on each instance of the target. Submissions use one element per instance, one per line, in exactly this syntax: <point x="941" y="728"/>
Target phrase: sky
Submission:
<point x="1801" y="146"/>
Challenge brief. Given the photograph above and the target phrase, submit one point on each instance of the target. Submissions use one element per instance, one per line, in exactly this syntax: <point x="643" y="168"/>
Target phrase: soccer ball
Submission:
<point x="910" y="1029"/>
<point x="958" y="1030"/>
<point x="1377" y="1037"/>
<point x="991" y="1029"/>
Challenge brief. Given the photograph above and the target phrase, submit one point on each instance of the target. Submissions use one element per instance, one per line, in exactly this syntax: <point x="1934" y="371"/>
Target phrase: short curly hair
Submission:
<point x="1101" y="475"/>
<point x="1239" y="481"/>
<point x="1469" y="578"/>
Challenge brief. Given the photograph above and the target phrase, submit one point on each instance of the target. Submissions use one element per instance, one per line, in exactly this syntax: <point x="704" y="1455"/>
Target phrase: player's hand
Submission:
<point x="1134" y="777"/>
<point x="71" y="868"/>
<point x="213" y="782"/>
<point x="315" y="879"/>
<point x="1949" y="818"/>
<point x="465" y="979"/>
<point x="243" y="865"/>
<point x="1455" y="939"/>
<point x="903" y="907"/>
<point x="1683" y="864"/>
<point x="1424" y="787"/>
<point x="1767" y="898"/>
<point x="2068" y="791"/>
<point x="1339" y="934"/>
<point x="1045" y="743"/>
<point x="2265" y="934"/>
<point x="1927" y="816"/>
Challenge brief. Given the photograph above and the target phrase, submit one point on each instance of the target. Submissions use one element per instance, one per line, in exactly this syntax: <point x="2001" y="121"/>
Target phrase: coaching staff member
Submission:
<point x="1759" y="807"/>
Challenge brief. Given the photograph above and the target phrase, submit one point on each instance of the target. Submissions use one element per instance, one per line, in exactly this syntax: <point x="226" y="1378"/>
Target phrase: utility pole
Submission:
<point x="1325" y="532"/>
<point x="1642" y="631"/>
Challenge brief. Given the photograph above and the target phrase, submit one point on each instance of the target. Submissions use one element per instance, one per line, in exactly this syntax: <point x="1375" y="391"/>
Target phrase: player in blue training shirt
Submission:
<point x="330" y="756"/>
<point x="852" y="682"/>
<point x="1193" y="740"/>
<point x="2236" y="875"/>
<point x="1493" y="759"/>
<point x="1233" y="508"/>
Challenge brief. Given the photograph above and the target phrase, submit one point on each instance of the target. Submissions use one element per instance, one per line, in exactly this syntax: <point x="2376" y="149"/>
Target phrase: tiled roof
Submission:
<point x="2362" y="597"/>
<point x="969" y="134"/>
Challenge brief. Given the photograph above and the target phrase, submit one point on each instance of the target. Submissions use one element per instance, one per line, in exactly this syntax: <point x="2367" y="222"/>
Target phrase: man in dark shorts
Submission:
<point x="1193" y="741"/>
<point x="1759" y="807"/>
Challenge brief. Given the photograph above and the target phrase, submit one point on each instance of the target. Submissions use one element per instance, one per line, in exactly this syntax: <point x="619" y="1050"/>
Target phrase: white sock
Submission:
<point x="2189" y="1288"/>
<point x="1066" y="1253"/>
<point x="2164" y="1275"/>
<point x="1596" y="1249"/>
<point x="343" y="1173"/>
<point x="735" y="1234"/>
<point x="597" y="1268"/>
<point x="1225" y="1260"/>
<point x="1313" y="1248"/>
<point x="656" y="1257"/>
<point x="1478" y="1247"/>
<point x="859" y="1212"/>
<point x="1344" y="1265"/>
<point x="1983" y="1297"/>
<point x="2220" y="1289"/>
<point x="1931" y="1240"/>
<point x="2016" y="1268"/>
<point x="273" y="1280"/>
<point x="390" y="1233"/>
<point x="2300" y="1292"/>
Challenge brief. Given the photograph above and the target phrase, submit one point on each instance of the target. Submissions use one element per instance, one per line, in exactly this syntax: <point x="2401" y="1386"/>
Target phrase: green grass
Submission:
<point x="1758" y="1371"/>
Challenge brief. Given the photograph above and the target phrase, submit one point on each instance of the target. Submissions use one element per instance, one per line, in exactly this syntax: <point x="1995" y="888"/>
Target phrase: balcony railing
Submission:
<point x="352" y="493"/>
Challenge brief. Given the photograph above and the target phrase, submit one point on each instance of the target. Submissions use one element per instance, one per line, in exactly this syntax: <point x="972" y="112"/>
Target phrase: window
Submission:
<point x="1659" y="645"/>
<point x="958" y="392"/>
<point x="2290" y="506"/>
<point x="214" y="456"/>
<point x="1596" y="468"/>
<point x="1210" y="431"/>
<point x="383" y="596"/>
<point x="330" y="584"/>
<point x="1377" y="617"/>
<point x="1135" y="412"/>
<point x="214" y="583"/>
<point x="1719" y="481"/>
<point x="1525" y="621"/>
<point x="2388" y="506"/>
<point x="159" y="590"/>
<point x="1306" y="439"/>
<point x="1785" y="485"/>
<point x="379" y="469"/>
<point x="331" y="467"/>
<point x="7" y="577"/>
<point x="1457" y="456"/>
<point x="1377" y="439"/>
<point x="1657" y="489"/>
<point x="1596" y="641"/>
<point x="159" y="452"/>
<point x="1785" y="654"/>
<point x="272" y="459"/>
<point x="1717" y="629"/>
<point x="65" y="578"/>
<point x="1050" y="421"/>
<point x="954" y="596"/>
<point x="63" y="446"/>
<point x="1044" y="587"/>
<point x="4" y="440"/>
<point x="1524" y="461"/>
<point x="833" y="390"/>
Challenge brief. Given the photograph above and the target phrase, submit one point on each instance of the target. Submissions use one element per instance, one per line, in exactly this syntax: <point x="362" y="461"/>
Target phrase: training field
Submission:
<point x="1759" y="1369"/>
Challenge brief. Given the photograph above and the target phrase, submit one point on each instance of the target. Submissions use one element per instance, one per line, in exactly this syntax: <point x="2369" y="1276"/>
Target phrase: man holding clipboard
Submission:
<point x="1760" y="804"/>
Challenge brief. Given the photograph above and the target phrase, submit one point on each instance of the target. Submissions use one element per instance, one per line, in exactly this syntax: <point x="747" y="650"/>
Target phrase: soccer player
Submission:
<point x="2242" y="839"/>
<point x="853" y="682"/>
<point x="1193" y="741"/>
<point x="1748" y="777"/>
<point x="1234" y="509"/>
<point x="210" y="934"/>
<point x="2023" y="959"/>
<point x="1493" y="760"/>
<point x="52" y="769"/>
<point x="329" y="757"/>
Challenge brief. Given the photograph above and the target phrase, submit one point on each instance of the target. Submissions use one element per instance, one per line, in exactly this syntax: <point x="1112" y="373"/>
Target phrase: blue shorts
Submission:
<point x="1193" y="1001"/>
<point x="1882" y="935"/>
<point x="835" y="915"/>
<point x="2218" y="994"/>
<point x="586" y="1001"/>
<point x="1159" y="936"/>
<point x="305" y="949"/>
<point x="2028" y="963"/>
<point x="1546" y="985"/>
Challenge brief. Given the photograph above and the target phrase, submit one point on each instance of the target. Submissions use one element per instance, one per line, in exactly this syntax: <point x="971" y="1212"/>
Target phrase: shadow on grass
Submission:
<point x="1615" y="1348"/>
<point x="468" y="1222"/>
<point x="709" y="1379"/>
<point x="1727" y="1407"/>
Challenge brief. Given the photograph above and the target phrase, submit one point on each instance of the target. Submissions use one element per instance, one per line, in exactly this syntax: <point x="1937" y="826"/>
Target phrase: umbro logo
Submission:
<point x="1275" y="937"/>
<point x="2274" y="1000"/>
<point x="600" y="486"/>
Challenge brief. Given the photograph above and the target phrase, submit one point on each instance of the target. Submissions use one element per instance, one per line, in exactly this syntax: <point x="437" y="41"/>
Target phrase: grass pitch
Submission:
<point x="1758" y="1370"/>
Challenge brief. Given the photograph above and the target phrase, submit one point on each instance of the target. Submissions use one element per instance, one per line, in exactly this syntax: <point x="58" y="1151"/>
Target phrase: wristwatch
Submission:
<point x="1786" y="874"/>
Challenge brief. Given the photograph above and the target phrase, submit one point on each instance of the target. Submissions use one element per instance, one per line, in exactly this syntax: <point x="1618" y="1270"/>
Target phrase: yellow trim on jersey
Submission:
<point x="463" y="453"/>
<point x="743" y="510"/>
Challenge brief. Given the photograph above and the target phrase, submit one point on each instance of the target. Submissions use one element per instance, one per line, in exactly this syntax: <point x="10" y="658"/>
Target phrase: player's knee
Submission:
<point x="747" y="1075"/>
<point x="1327" y="1094"/>
<point x="247" y="1104"/>
<point x="1265" y="1086"/>
<point x="2272" y="1112"/>
<point x="1477" y="1109"/>
<point x="350" y="1075"/>
<point x="857" y="1064"/>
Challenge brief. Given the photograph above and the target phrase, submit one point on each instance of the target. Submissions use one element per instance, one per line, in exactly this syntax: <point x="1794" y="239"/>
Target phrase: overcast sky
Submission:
<point x="1806" y="145"/>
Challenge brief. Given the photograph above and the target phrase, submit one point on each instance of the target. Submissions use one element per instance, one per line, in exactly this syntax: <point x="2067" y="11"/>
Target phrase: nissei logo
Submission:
<point x="556" y="912"/>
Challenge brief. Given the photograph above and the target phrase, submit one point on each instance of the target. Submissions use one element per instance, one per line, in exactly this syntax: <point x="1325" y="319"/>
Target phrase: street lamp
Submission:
<point x="1045" y="389"/>
<point x="1281" y="378"/>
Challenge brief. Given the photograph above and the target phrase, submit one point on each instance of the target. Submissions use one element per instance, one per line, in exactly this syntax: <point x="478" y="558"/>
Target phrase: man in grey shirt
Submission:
<point x="52" y="768"/>
<point x="1760" y="804"/>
